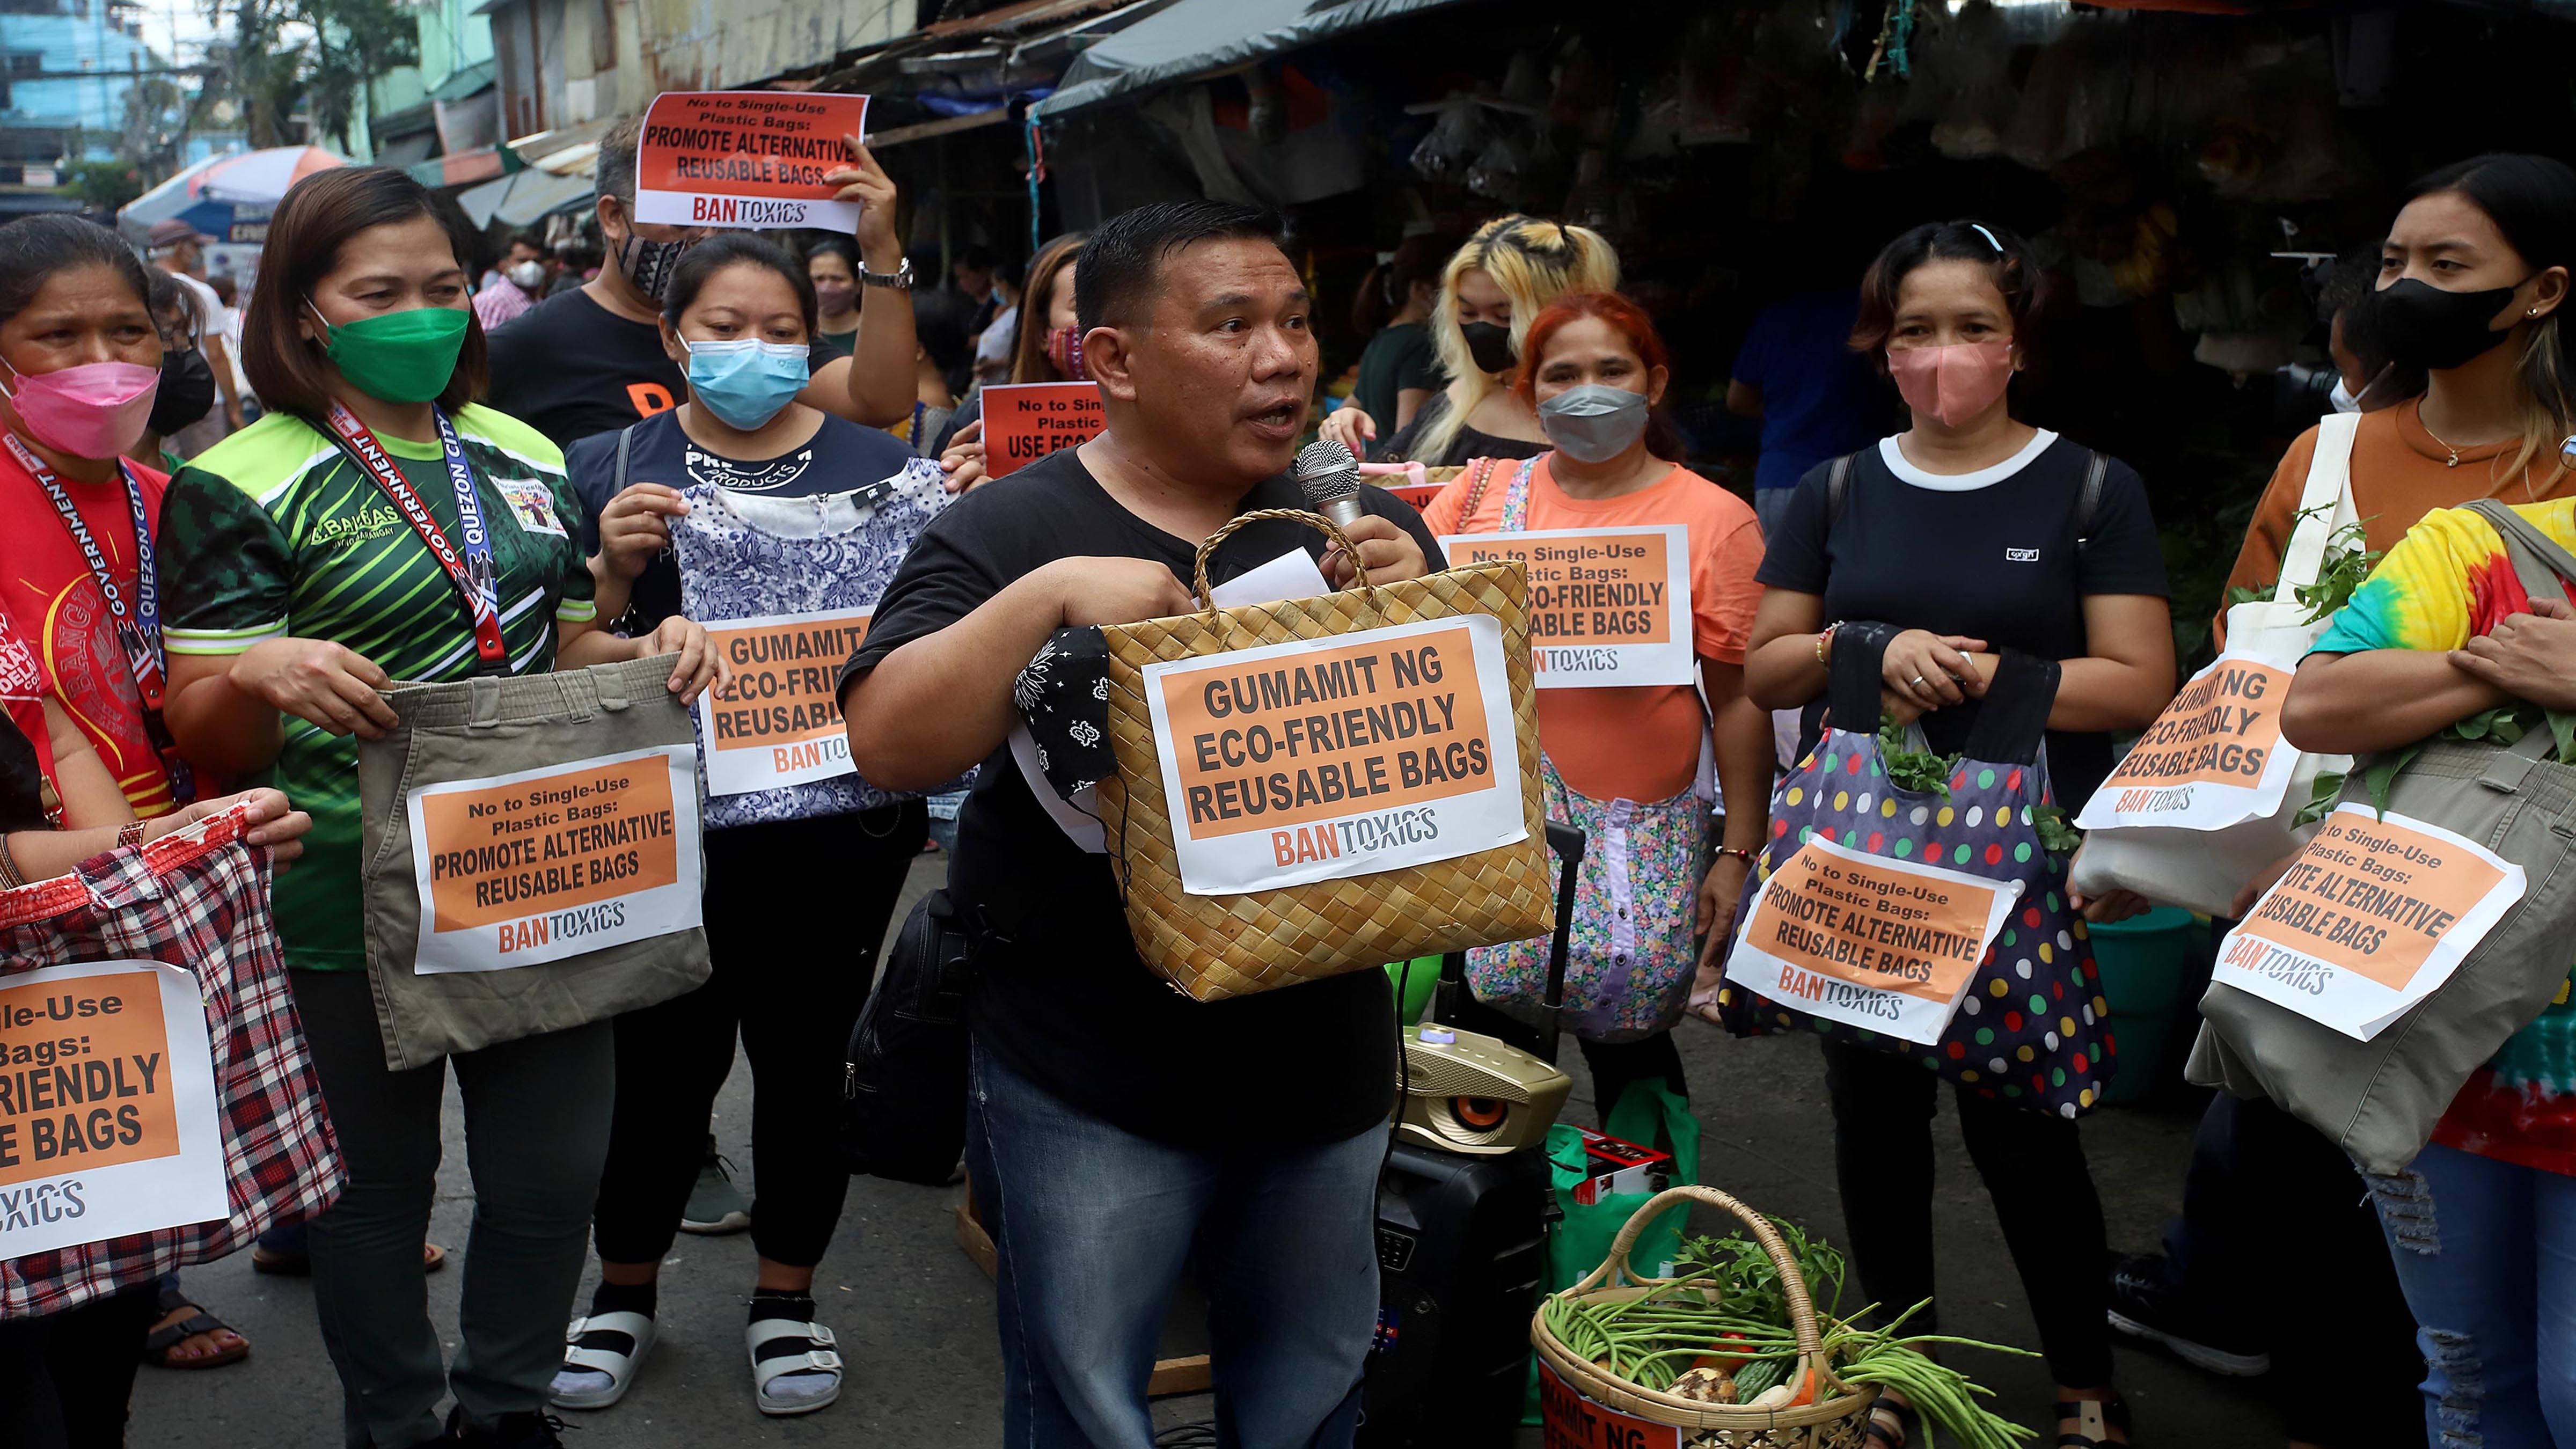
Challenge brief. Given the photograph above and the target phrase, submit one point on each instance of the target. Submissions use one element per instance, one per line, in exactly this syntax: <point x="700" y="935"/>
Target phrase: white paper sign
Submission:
<point x="108" y="1124"/>
<point x="779" y="721"/>
<point x="538" y="865"/>
<point x="1292" y="575"/>
<point x="1887" y="945"/>
<point x="2372" y="918"/>
<point x="1607" y="606"/>
<point x="2215" y="757"/>
<point x="1345" y="756"/>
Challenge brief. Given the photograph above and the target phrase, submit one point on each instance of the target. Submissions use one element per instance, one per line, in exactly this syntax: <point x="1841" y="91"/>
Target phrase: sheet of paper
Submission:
<point x="1292" y="575"/>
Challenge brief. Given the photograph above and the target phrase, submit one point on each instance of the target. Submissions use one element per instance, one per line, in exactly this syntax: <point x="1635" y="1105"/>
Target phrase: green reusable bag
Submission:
<point x="1649" y="1114"/>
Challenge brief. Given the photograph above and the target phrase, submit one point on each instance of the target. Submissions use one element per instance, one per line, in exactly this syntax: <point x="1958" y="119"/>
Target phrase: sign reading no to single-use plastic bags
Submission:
<point x="2372" y="918"/>
<point x="746" y="160"/>
<point x="1607" y="606"/>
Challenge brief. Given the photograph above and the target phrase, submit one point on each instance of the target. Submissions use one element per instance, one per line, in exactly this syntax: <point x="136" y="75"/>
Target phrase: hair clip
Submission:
<point x="1979" y="229"/>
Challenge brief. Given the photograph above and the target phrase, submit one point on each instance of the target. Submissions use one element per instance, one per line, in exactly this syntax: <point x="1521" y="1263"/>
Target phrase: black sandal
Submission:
<point x="158" y="1343"/>
<point x="2093" y="1418"/>
<point x="1909" y="1423"/>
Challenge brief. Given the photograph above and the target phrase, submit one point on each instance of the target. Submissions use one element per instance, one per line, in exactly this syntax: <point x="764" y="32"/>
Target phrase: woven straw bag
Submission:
<point x="1216" y="946"/>
<point x="1839" y="1417"/>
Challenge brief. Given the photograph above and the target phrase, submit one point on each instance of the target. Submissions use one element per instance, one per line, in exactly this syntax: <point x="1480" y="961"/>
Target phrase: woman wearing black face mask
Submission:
<point x="1506" y="274"/>
<point x="187" y="391"/>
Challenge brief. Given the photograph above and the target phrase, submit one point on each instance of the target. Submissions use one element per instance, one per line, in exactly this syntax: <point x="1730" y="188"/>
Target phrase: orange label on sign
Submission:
<point x="779" y="721"/>
<point x="1025" y="421"/>
<point x="1575" y="1422"/>
<point x="1607" y="606"/>
<point x="1361" y="753"/>
<point x="536" y="846"/>
<point x="1287" y="743"/>
<point x="2220" y="730"/>
<point x="1878" y="943"/>
<point x="747" y="159"/>
<point x="1417" y="494"/>
<point x="84" y="1076"/>
<point x="2373" y="897"/>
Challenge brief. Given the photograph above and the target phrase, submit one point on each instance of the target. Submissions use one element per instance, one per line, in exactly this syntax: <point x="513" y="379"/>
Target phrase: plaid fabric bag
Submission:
<point x="196" y="899"/>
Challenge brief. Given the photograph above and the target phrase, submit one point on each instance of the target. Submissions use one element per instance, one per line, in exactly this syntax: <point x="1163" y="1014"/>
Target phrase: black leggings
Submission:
<point x="2033" y="1167"/>
<point x="796" y="913"/>
<point x="66" y="1378"/>
<point x="1617" y="1065"/>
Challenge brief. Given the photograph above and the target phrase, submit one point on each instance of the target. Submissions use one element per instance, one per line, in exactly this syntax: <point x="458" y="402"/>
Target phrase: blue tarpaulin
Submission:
<point x="1193" y="38"/>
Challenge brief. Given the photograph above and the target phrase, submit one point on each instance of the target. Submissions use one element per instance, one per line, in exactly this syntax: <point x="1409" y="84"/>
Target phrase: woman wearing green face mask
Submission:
<point x="380" y="524"/>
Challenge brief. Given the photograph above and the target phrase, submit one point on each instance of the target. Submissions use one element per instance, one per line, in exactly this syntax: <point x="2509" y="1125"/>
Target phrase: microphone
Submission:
<point x="1331" y="477"/>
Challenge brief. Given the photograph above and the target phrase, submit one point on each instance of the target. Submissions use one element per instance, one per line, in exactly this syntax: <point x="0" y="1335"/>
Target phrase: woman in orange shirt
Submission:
<point x="1623" y="761"/>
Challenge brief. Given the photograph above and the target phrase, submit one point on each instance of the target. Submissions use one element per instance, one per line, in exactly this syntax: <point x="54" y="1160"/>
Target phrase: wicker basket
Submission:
<point x="1216" y="946"/>
<point x="1838" y="1419"/>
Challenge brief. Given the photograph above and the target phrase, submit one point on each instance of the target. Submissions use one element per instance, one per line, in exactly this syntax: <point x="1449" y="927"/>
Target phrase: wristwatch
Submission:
<point x="900" y="279"/>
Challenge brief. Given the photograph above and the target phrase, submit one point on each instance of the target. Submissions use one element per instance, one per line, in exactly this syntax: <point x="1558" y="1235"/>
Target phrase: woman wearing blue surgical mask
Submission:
<point x="738" y="318"/>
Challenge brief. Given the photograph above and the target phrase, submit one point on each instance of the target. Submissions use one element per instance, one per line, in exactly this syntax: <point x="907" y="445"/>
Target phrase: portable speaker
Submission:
<point x="1462" y="1213"/>
<point x="1472" y="1094"/>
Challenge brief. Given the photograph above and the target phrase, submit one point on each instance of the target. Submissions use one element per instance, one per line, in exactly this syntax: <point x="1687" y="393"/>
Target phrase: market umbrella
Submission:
<point x="229" y="197"/>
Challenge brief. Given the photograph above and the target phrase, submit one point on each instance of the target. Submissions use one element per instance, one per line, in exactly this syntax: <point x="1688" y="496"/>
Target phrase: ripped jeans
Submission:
<point x="2486" y="1251"/>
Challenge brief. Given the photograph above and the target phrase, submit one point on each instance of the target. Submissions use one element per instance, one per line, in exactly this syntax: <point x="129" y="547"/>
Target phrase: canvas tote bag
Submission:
<point x="2379" y="1094"/>
<point x="1324" y="785"/>
<point x="531" y="856"/>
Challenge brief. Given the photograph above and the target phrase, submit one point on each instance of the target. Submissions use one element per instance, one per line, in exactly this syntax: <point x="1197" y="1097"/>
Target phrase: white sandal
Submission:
<point x="817" y="1356"/>
<point x="605" y="1357"/>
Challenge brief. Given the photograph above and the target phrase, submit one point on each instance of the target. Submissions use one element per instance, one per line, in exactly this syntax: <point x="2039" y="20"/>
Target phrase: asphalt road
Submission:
<point x="915" y="1316"/>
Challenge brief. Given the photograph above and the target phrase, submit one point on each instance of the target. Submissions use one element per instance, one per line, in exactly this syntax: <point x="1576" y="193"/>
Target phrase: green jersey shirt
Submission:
<point x="275" y="532"/>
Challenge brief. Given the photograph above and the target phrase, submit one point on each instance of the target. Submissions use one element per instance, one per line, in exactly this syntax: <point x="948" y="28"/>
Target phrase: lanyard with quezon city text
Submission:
<point x="470" y="568"/>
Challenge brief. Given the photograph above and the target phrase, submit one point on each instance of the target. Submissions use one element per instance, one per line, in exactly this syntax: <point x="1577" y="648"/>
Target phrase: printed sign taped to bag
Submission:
<point x="747" y="160"/>
<point x="1025" y="421"/>
<point x="1575" y="1422"/>
<point x="1887" y="945"/>
<point x="525" y="868"/>
<point x="779" y="722"/>
<point x="1607" y="606"/>
<point x="108" y="1122"/>
<point x="2372" y="918"/>
<point x="2213" y="758"/>
<point x="1346" y="756"/>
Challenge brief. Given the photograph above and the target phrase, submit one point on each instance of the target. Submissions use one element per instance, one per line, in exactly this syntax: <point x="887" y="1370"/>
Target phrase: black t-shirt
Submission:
<point x="1990" y="555"/>
<point x="1061" y="996"/>
<point x="839" y="457"/>
<point x="22" y="781"/>
<point x="570" y="368"/>
<point x="1395" y="359"/>
<point x="1468" y="445"/>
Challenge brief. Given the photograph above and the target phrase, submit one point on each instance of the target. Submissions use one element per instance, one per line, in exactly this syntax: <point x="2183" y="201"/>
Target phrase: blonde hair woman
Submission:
<point x="1509" y="271"/>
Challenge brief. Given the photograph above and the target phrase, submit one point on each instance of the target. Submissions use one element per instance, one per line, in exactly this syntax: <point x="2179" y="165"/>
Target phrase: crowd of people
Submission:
<point x="201" y="611"/>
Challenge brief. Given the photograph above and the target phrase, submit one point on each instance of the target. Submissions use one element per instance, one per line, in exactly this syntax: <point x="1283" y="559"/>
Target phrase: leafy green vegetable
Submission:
<point x="2347" y="562"/>
<point x="2321" y="800"/>
<point x="2503" y="725"/>
<point x="2057" y="834"/>
<point x="1921" y="772"/>
<point x="2246" y="594"/>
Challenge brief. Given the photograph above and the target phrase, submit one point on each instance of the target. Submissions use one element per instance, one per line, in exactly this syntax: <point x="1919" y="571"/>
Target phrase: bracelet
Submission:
<point x="129" y="835"/>
<point x="1825" y="644"/>
<point x="1738" y="852"/>
<point x="9" y="877"/>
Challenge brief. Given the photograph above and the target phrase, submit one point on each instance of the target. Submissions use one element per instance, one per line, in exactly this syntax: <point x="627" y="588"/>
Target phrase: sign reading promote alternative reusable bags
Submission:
<point x="1869" y="941"/>
<point x="108" y="1124"/>
<point x="2371" y="919"/>
<point x="1343" y="756"/>
<point x="1607" y="606"/>
<point x="553" y="862"/>
<point x="747" y="160"/>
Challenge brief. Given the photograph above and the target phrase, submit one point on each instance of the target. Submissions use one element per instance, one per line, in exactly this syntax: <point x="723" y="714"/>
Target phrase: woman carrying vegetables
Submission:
<point x="2474" y="278"/>
<point x="1965" y="535"/>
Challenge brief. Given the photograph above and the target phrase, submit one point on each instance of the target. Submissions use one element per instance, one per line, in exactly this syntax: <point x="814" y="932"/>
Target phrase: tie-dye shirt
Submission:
<point x="2448" y="581"/>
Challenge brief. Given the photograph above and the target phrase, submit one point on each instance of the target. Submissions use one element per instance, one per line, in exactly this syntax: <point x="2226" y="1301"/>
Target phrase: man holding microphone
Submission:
<point x="1106" y="1145"/>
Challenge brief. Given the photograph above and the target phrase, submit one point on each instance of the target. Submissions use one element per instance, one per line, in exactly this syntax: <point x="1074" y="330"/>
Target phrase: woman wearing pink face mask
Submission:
<point x="1048" y="349"/>
<point x="1969" y="533"/>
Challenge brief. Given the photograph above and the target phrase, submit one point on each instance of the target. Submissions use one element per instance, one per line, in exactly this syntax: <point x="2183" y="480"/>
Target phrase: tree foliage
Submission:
<point x="319" y="54"/>
<point x="102" y="185"/>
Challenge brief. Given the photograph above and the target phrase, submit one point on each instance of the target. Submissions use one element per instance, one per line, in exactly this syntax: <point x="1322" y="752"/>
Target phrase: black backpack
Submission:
<point x="904" y="1082"/>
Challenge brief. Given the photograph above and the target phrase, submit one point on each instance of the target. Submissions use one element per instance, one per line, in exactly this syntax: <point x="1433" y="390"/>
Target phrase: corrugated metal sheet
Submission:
<point x="716" y="44"/>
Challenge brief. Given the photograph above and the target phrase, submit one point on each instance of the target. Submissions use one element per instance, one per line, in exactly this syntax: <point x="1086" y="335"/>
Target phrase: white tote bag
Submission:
<point x="2208" y="795"/>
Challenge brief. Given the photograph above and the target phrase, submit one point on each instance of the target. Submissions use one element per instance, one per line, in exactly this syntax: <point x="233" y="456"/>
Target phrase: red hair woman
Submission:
<point x="1658" y="891"/>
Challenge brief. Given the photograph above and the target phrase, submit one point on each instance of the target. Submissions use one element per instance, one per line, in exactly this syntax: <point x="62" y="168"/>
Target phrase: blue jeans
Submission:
<point x="1094" y="1227"/>
<point x="2486" y="1251"/>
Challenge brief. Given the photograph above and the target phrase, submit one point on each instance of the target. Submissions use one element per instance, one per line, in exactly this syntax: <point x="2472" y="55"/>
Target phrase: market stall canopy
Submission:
<point x="228" y="198"/>
<point x="1194" y="38"/>
<point x="524" y="198"/>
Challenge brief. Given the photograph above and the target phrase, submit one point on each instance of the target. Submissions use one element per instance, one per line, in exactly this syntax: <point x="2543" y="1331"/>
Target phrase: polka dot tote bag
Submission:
<point x="2029" y="1025"/>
